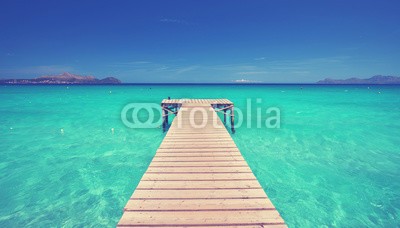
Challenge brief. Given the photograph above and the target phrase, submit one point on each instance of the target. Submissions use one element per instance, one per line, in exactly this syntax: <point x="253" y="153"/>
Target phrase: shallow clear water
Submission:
<point x="334" y="161"/>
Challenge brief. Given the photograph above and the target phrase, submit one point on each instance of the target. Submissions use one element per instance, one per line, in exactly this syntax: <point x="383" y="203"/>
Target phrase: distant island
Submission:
<point x="68" y="78"/>
<point x="378" y="79"/>
<point x="65" y="78"/>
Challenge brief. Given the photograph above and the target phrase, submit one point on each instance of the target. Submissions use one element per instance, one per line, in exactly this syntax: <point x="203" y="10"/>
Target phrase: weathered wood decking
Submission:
<point x="198" y="178"/>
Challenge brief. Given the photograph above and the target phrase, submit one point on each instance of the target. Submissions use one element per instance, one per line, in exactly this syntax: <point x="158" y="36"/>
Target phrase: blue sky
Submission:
<point x="201" y="41"/>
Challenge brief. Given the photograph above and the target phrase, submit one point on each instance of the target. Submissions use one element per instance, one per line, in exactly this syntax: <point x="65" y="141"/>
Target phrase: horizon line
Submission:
<point x="192" y="83"/>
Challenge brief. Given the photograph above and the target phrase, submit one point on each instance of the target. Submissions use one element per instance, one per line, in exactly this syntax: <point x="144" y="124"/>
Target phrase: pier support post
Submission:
<point x="232" y="121"/>
<point x="225" y="116"/>
<point x="165" y="118"/>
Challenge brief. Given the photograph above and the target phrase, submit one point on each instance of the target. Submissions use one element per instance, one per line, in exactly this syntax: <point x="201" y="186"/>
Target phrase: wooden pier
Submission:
<point x="198" y="177"/>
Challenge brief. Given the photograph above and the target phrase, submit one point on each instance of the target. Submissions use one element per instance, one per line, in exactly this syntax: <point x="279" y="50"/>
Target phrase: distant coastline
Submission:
<point x="61" y="79"/>
<point x="72" y="79"/>
<point x="375" y="80"/>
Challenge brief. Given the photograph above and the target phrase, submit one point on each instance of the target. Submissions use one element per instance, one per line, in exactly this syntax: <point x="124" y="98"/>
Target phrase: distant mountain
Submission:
<point x="65" y="78"/>
<point x="378" y="79"/>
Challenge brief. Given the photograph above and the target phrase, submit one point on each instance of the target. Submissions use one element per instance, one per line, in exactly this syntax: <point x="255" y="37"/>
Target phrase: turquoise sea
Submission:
<point x="334" y="161"/>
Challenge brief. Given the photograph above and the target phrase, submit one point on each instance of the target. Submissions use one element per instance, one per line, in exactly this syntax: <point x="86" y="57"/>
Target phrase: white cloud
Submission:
<point x="245" y="81"/>
<point x="306" y="63"/>
<point x="37" y="70"/>
<point x="127" y="64"/>
<point x="252" y="72"/>
<point x="186" y="69"/>
<point x="138" y="62"/>
<point x="233" y="67"/>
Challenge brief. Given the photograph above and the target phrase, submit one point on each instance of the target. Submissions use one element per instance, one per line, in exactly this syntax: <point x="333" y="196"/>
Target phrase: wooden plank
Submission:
<point x="201" y="144"/>
<point x="201" y="140"/>
<point x="198" y="176"/>
<point x="196" y="204"/>
<point x="176" y="135"/>
<point x="197" y="144"/>
<point x="198" y="137"/>
<point x="156" y="185"/>
<point x="198" y="150"/>
<point x="198" y="169"/>
<point x="188" y="146"/>
<point x="200" y="194"/>
<point x="196" y="159"/>
<point x="200" y="164"/>
<point x="172" y="218"/>
<point x="208" y="133"/>
<point x="207" y="226"/>
<point x="197" y="154"/>
<point x="200" y="132"/>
